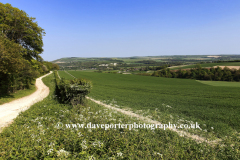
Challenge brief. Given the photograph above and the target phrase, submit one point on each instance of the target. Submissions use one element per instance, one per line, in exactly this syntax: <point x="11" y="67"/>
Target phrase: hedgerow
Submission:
<point x="73" y="91"/>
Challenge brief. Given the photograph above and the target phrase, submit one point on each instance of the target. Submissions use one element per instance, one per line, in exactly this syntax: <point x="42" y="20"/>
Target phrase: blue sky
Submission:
<point x="124" y="28"/>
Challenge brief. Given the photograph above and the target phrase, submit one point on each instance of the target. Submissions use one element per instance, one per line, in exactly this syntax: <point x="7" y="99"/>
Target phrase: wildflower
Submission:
<point x="79" y="134"/>
<point x="160" y="155"/>
<point x="212" y="128"/>
<point x="33" y="136"/>
<point x="119" y="154"/>
<point x="100" y="144"/>
<point x="51" y="145"/>
<point x="38" y="140"/>
<point x="42" y="131"/>
<point x="62" y="153"/>
<point x="84" y="144"/>
<point x="49" y="151"/>
<point x="157" y="154"/>
<point x="94" y="144"/>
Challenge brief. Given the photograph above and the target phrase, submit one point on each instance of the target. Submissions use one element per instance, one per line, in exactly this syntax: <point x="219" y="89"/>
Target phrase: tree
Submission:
<point x="198" y="66"/>
<point x="11" y="56"/>
<point x="20" y="48"/>
<point x="17" y="26"/>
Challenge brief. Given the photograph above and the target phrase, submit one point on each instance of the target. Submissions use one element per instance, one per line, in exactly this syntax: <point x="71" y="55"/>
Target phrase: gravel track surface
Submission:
<point x="9" y="111"/>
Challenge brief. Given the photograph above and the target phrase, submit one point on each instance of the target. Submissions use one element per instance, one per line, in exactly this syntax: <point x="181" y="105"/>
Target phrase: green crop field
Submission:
<point x="215" y="108"/>
<point x="36" y="134"/>
<point x="221" y="83"/>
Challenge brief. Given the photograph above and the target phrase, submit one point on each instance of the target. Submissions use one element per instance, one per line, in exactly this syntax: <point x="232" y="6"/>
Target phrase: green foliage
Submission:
<point x="20" y="46"/>
<point x="15" y="71"/>
<point x="73" y="91"/>
<point x="17" y="26"/>
<point x="34" y="135"/>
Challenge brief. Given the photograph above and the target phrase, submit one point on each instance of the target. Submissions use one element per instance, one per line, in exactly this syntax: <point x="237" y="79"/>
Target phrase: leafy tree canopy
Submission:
<point x="17" y="26"/>
<point x="20" y="48"/>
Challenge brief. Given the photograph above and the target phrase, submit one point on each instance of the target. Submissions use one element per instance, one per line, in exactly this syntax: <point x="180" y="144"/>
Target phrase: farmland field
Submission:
<point x="221" y="83"/>
<point x="215" y="108"/>
<point x="34" y="134"/>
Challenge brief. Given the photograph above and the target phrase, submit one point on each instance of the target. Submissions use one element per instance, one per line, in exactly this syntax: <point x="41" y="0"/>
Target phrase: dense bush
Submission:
<point x="73" y="91"/>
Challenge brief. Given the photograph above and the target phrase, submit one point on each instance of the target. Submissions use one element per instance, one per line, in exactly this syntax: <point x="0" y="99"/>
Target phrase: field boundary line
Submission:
<point x="69" y="74"/>
<point x="180" y="133"/>
<point x="58" y="75"/>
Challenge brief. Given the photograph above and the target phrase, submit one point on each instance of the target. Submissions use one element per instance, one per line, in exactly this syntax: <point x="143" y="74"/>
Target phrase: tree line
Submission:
<point x="214" y="74"/>
<point x="20" y="48"/>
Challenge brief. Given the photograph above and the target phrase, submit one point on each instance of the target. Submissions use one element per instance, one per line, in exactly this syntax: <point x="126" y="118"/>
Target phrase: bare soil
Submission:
<point x="231" y="67"/>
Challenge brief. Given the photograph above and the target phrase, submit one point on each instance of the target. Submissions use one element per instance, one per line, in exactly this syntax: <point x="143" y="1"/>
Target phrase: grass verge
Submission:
<point x="5" y="98"/>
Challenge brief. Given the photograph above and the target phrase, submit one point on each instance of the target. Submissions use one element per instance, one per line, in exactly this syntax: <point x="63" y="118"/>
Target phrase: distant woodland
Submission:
<point x="215" y="74"/>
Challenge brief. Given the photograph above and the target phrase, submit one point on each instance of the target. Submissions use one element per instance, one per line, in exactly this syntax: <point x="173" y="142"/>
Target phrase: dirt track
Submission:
<point x="181" y="133"/>
<point x="9" y="111"/>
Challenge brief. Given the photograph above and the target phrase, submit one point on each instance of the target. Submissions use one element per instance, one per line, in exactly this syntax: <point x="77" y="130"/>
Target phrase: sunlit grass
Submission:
<point x="5" y="98"/>
<point x="220" y="83"/>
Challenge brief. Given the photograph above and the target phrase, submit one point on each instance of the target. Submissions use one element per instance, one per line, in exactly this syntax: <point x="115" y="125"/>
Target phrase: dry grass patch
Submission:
<point x="231" y="67"/>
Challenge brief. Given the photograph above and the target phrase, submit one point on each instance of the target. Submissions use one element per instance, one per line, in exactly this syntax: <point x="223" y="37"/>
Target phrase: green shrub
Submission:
<point x="73" y="91"/>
